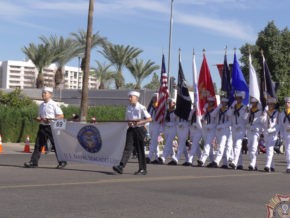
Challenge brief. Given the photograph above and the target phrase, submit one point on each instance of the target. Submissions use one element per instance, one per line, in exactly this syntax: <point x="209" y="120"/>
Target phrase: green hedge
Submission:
<point x="16" y="123"/>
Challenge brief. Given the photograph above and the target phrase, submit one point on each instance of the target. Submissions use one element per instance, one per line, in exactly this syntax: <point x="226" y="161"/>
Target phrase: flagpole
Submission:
<point x="169" y="49"/>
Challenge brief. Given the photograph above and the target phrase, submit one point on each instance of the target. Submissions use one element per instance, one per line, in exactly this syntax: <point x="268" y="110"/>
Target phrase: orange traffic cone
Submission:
<point x="43" y="149"/>
<point x="27" y="145"/>
<point x="1" y="149"/>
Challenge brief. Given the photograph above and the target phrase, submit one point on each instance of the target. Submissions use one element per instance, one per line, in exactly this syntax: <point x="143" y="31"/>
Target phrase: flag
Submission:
<point x="195" y="90"/>
<point x="254" y="90"/>
<point x="267" y="88"/>
<point x="183" y="100"/>
<point x="238" y="80"/>
<point x="89" y="143"/>
<point x="220" y="69"/>
<point x="226" y="86"/>
<point x="205" y="85"/>
<point x="163" y="94"/>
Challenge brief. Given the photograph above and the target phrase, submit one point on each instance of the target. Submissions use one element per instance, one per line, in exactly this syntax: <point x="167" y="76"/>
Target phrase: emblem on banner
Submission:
<point x="279" y="206"/>
<point x="90" y="139"/>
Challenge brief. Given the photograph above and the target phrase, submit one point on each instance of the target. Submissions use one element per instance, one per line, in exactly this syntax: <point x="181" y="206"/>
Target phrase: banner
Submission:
<point x="101" y="143"/>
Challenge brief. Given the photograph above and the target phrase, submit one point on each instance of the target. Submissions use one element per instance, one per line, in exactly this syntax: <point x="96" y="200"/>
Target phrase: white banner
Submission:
<point x="101" y="143"/>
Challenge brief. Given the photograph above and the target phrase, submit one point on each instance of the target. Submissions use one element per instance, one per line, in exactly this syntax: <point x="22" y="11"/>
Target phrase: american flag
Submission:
<point x="163" y="94"/>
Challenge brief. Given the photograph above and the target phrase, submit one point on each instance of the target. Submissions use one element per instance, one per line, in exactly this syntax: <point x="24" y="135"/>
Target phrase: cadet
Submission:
<point x="154" y="131"/>
<point x="137" y="116"/>
<point x="208" y="130"/>
<point x="284" y="122"/>
<point x="254" y="131"/>
<point x="270" y="120"/>
<point x="169" y="131"/>
<point x="238" y="113"/>
<point x="223" y="132"/>
<point x="48" y="110"/>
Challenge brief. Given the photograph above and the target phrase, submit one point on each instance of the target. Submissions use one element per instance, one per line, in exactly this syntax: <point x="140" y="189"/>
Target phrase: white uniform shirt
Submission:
<point x="49" y="109"/>
<point x="284" y="123"/>
<point x="136" y="112"/>
<point x="270" y="121"/>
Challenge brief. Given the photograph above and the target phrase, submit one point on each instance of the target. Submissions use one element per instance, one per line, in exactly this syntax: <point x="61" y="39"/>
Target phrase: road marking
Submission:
<point x="135" y="179"/>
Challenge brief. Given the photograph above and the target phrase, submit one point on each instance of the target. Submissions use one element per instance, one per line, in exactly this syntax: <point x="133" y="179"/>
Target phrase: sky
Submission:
<point x="197" y="24"/>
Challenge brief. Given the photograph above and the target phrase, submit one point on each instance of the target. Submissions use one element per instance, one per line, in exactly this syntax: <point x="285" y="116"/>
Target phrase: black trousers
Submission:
<point x="135" y="139"/>
<point x="44" y="133"/>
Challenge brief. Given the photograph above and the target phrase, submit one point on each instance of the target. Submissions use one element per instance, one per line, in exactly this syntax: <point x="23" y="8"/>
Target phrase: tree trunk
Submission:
<point x="84" y="100"/>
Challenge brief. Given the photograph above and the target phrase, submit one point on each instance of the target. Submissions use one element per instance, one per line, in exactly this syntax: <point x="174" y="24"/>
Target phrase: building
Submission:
<point x="23" y="74"/>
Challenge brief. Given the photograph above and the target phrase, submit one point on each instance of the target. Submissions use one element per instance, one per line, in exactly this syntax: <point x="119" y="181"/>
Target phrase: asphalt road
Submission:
<point x="85" y="190"/>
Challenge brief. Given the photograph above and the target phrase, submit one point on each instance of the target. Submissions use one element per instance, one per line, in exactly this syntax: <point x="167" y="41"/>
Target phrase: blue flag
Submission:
<point x="183" y="100"/>
<point x="226" y="85"/>
<point x="238" y="80"/>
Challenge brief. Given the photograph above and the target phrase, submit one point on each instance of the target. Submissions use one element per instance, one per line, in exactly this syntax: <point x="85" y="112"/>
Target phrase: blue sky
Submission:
<point x="197" y="24"/>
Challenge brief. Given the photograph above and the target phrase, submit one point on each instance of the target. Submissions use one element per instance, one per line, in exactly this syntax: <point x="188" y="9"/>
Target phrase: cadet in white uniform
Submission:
<point x="270" y="120"/>
<point x="208" y="130"/>
<point x="169" y="131"/>
<point x="222" y="131"/>
<point x="238" y="113"/>
<point x="154" y="131"/>
<point x="284" y="123"/>
<point x="195" y="131"/>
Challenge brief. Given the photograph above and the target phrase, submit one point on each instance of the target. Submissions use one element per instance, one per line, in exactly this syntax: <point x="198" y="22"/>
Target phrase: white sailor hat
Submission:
<point x="253" y="100"/>
<point x="271" y="100"/>
<point x="171" y="100"/>
<point x="135" y="93"/>
<point x="47" y="89"/>
<point x="210" y="98"/>
<point x="155" y="94"/>
<point x="287" y="99"/>
<point x="240" y="94"/>
<point x="224" y="99"/>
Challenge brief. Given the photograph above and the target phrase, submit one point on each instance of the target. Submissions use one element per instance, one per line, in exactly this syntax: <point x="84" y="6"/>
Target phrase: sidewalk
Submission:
<point x="14" y="148"/>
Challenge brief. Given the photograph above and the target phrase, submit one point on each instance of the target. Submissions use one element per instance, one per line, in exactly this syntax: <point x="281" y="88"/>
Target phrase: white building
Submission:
<point x="23" y="74"/>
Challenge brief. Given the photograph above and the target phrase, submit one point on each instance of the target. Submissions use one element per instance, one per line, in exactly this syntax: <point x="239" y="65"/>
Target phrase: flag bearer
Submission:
<point x="48" y="110"/>
<point x="284" y="122"/>
<point x="223" y="132"/>
<point x="208" y="130"/>
<point x="270" y="120"/>
<point x="169" y="132"/>
<point x="238" y="113"/>
<point x="137" y="116"/>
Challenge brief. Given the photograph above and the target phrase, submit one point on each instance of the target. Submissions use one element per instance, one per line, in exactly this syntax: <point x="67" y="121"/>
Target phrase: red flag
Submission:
<point x="205" y="85"/>
<point x="220" y="69"/>
<point x="163" y="94"/>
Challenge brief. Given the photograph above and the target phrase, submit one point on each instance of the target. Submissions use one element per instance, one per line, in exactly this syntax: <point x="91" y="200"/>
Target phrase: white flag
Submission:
<point x="254" y="90"/>
<point x="101" y="143"/>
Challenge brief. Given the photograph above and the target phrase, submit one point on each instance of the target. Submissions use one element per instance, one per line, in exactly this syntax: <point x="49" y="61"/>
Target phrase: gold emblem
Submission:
<point x="279" y="207"/>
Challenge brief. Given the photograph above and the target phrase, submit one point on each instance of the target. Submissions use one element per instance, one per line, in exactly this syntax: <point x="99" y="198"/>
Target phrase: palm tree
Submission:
<point x="140" y="71"/>
<point x="79" y="39"/>
<point x="65" y="51"/>
<point x="41" y="55"/>
<point x="103" y="74"/>
<point x="120" y="56"/>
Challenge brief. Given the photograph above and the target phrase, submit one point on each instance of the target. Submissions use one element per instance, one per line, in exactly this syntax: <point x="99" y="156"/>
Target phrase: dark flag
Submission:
<point x="220" y="69"/>
<point x="238" y="80"/>
<point x="163" y="94"/>
<point x="266" y="85"/>
<point x="226" y="86"/>
<point x="183" y="100"/>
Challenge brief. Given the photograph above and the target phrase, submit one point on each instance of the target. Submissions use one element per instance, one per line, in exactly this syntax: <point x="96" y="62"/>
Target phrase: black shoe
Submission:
<point x="267" y="169"/>
<point x="155" y="161"/>
<point x="212" y="165"/>
<point x="141" y="172"/>
<point x="272" y="169"/>
<point x="251" y="168"/>
<point x="147" y="159"/>
<point x="224" y="166"/>
<point x="61" y="164"/>
<point x="173" y="163"/>
<point x="240" y="167"/>
<point x="199" y="163"/>
<point x="118" y="169"/>
<point x="160" y="160"/>
<point x="288" y="171"/>
<point x="30" y="165"/>
<point x="186" y="164"/>
<point x="232" y="165"/>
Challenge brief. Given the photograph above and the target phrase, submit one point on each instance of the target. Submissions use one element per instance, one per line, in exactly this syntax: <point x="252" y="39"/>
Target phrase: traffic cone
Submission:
<point x="27" y="145"/>
<point x="1" y="149"/>
<point x="43" y="149"/>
